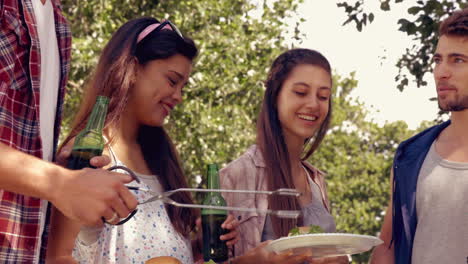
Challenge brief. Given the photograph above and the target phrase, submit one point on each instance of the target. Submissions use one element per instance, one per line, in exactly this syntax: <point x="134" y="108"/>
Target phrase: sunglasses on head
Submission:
<point x="165" y="24"/>
<point x="173" y="27"/>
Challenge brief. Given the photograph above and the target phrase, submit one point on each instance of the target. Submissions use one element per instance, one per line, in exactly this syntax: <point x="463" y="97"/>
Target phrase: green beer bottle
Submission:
<point x="90" y="142"/>
<point x="214" y="249"/>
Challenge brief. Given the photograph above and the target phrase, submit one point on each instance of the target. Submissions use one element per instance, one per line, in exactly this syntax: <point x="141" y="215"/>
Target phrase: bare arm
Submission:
<point x="384" y="253"/>
<point x="74" y="193"/>
<point x="63" y="233"/>
<point x="31" y="176"/>
<point x="28" y="175"/>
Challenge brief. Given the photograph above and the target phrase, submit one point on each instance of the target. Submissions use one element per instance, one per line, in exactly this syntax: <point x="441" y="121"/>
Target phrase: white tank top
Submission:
<point x="48" y="86"/>
<point x="146" y="235"/>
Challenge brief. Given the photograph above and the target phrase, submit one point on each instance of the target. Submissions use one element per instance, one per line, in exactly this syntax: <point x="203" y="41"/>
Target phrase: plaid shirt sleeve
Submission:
<point x="20" y="217"/>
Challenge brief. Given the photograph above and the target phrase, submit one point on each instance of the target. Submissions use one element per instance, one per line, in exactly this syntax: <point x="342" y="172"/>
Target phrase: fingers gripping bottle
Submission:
<point x="90" y="142"/>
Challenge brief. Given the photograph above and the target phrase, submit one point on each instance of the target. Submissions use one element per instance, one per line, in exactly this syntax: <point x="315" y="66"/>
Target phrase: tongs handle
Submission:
<point x="279" y="213"/>
<point x="282" y="191"/>
<point x="164" y="197"/>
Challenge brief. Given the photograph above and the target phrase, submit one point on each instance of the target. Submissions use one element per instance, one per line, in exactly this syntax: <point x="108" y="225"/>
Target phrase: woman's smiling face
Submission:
<point x="158" y="89"/>
<point x="303" y="101"/>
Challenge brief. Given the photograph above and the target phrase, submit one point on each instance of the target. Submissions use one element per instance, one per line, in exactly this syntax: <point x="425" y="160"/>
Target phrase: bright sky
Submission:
<point x="373" y="54"/>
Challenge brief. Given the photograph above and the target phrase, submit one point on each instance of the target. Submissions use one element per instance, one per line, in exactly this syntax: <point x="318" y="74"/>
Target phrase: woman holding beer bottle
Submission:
<point x="294" y="119"/>
<point x="142" y="70"/>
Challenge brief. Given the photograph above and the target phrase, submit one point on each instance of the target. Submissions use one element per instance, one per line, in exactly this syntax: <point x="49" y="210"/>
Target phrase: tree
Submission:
<point x="422" y="23"/>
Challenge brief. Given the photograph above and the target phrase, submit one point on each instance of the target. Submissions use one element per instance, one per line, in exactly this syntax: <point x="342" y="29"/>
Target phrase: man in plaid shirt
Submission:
<point x="35" y="43"/>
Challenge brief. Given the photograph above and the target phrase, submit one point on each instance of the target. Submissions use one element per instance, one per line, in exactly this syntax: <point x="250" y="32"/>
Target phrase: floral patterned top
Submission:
<point x="148" y="234"/>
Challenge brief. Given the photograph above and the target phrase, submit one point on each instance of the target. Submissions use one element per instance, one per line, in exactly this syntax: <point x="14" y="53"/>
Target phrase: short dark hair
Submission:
<point x="456" y="24"/>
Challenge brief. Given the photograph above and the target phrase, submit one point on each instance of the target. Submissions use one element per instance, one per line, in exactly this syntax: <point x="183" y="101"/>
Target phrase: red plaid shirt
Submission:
<point x="20" y="217"/>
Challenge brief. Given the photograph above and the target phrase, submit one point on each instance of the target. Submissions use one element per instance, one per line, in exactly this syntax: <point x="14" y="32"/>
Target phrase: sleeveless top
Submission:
<point x="313" y="213"/>
<point x="442" y="209"/>
<point x="148" y="234"/>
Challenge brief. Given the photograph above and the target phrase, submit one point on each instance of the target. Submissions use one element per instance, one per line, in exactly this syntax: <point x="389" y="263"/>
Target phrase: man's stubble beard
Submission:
<point x="460" y="103"/>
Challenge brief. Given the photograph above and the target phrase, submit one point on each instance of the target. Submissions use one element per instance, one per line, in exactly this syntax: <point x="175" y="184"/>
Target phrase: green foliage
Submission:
<point x="422" y="24"/>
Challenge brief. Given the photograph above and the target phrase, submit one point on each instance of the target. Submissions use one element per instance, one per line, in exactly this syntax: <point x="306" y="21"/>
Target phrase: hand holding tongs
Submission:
<point x="164" y="197"/>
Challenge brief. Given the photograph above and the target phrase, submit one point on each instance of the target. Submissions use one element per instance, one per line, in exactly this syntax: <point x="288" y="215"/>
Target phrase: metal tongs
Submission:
<point x="164" y="197"/>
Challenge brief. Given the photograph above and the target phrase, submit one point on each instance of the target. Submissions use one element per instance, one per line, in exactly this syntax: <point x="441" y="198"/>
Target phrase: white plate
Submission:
<point x="325" y="244"/>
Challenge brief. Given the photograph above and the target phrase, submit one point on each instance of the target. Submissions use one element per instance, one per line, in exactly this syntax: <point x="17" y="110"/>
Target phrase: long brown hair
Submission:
<point x="270" y="137"/>
<point x="113" y="77"/>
